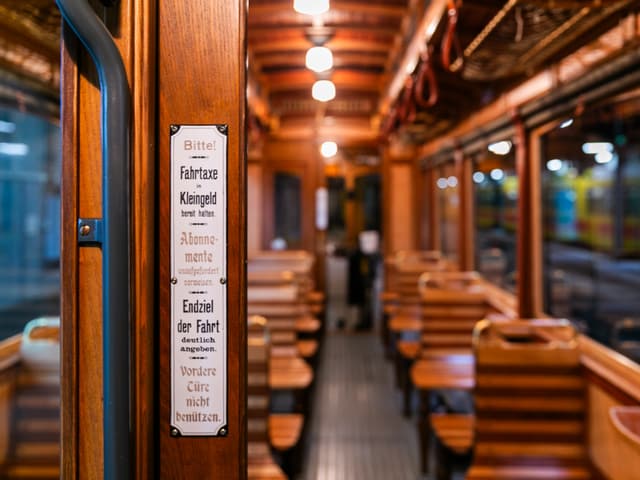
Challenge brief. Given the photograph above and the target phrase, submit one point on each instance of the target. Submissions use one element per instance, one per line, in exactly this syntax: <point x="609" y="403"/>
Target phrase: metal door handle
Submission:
<point x="112" y="232"/>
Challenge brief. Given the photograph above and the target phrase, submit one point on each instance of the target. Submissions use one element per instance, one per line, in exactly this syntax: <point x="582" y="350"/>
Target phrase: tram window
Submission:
<point x="496" y="202"/>
<point x="337" y="198"/>
<point x="29" y="219"/>
<point x="591" y="222"/>
<point x="287" y="213"/>
<point x="367" y="193"/>
<point x="449" y="197"/>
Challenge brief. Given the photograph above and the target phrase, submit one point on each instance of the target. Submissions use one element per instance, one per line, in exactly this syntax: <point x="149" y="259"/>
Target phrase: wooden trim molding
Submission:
<point x="466" y="231"/>
<point x="10" y="352"/>
<point x="207" y="67"/>
<point x="69" y="256"/>
<point x="529" y="235"/>
<point x="613" y="372"/>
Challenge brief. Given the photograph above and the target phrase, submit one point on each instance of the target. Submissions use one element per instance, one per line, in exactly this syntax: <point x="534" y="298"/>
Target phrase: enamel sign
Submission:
<point x="198" y="280"/>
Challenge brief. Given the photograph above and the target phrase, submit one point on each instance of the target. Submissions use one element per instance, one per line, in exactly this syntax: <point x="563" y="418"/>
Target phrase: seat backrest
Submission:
<point x="449" y="316"/>
<point x="258" y="392"/>
<point x="34" y="441"/>
<point x="529" y="395"/>
<point x="404" y="275"/>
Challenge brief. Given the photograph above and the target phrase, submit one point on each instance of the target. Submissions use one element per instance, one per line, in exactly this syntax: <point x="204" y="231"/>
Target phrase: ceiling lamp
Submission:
<point x="319" y="59"/>
<point x="328" y="149"/>
<point x="323" y="90"/>
<point x="311" y="7"/>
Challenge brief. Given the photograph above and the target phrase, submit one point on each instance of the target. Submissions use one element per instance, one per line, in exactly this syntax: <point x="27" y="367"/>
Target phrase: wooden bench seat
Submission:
<point x="447" y="317"/>
<point x="402" y="271"/>
<point x="285" y="430"/>
<point x="260" y="462"/>
<point x="529" y="472"/>
<point x="454" y="431"/>
<point x="287" y="317"/>
<point x="304" y="324"/>
<point x="530" y="401"/>
<point x="34" y="438"/>
<point x="406" y="322"/>
<point x="307" y="348"/>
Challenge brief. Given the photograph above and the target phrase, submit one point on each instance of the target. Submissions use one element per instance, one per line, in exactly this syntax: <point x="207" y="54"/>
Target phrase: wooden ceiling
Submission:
<point x="379" y="47"/>
<point x="365" y="37"/>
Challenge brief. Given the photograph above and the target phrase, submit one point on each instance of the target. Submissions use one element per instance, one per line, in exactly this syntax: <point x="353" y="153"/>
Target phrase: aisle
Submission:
<point x="357" y="431"/>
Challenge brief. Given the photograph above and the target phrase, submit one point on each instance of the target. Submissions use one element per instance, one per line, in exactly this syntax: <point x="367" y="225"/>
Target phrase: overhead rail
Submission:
<point x="432" y="17"/>
<point x="554" y="92"/>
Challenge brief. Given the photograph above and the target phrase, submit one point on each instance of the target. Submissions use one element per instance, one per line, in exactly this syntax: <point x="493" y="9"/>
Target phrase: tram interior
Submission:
<point x="386" y="278"/>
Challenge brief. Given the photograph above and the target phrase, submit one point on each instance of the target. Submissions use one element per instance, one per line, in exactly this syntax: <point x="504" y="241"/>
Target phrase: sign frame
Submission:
<point x="218" y="427"/>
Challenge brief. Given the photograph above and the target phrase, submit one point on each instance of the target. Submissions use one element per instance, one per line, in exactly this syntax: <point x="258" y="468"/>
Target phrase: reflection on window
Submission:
<point x="287" y="214"/>
<point x="29" y="219"/>
<point x="591" y="223"/>
<point x="496" y="213"/>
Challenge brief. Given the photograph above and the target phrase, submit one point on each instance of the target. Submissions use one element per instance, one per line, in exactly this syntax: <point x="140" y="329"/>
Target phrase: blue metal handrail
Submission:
<point x="115" y="126"/>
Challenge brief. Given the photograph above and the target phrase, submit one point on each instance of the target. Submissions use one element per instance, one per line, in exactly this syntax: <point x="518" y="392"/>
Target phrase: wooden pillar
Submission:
<point x="201" y="81"/>
<point x="529" y="249"/>
<point x="255" y="200"/>
<point x="466" y="231"/>
<point x="433" y="210"/>
<point x="400" y="209"/>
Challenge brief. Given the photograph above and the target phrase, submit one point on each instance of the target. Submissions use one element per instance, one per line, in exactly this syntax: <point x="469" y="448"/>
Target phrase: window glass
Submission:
<point x="287" y="212"/>
<point x="337" y="199"/>
<point x="29" y="219"/>
<point x="367" y="197"/>
<point x="496" y="202"/>
<point x="591" y="222"/>
<point x="449" y="198"/>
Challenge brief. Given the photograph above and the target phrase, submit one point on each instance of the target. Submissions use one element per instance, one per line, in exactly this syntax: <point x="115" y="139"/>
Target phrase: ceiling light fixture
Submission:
<point x="319" y="59"/>
<point x="311" y="7"/>
<point x="329" y="149"/>
<point x="323" y="90"/>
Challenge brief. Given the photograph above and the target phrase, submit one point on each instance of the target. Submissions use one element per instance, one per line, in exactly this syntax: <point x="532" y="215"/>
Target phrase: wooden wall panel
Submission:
<point x="613" y="454"/>
<point x="466" y="230"/>
<point x="402" y="227"/>
<point x="89" y="278"/>
<point x="255" y="201"/>
<point x="529" y="227"/>
<point x="201" y="55"/>
<point x="69" y="257"/>
<point x="132" y="24"/>
<point x="433" y="210"/>
<point x="143" y="272"/>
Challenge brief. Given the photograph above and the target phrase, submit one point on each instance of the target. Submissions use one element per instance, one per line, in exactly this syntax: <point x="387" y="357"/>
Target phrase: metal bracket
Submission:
<point x="89" y="232"/>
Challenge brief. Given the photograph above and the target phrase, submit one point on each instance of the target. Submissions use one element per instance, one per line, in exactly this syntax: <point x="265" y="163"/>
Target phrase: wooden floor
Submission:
<point x="357" y="431"/>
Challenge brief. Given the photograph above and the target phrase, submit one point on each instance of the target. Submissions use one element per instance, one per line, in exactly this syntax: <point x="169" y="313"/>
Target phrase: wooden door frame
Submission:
<point x="133" y="24"/>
